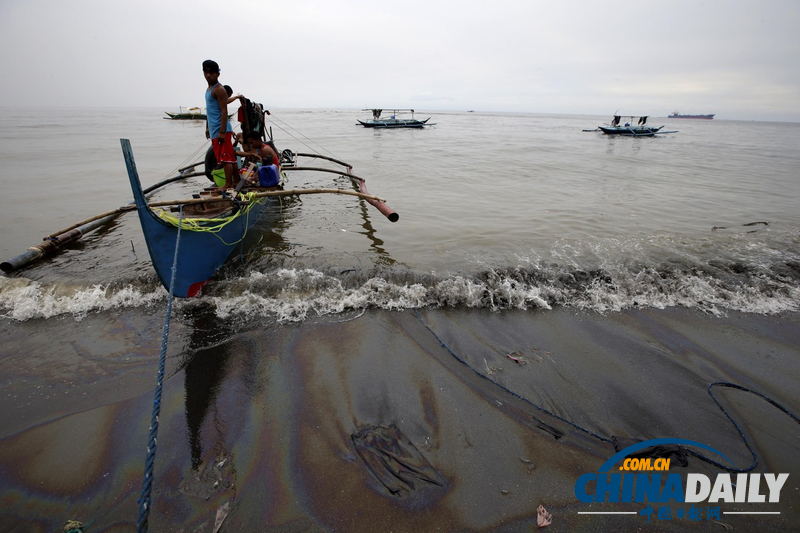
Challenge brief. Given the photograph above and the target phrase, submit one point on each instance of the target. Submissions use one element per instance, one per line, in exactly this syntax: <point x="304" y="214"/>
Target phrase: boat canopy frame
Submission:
<point x="377" y="112"/>
<point x="641" y="120"/>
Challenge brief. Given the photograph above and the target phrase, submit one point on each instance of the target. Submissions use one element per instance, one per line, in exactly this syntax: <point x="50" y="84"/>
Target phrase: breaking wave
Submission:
<point x="22" y="299"/>
<point x="295" y="294"/>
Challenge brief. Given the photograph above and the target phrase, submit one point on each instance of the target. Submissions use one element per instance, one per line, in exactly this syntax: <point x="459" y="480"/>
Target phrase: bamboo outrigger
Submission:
<point x="61" y="238"/>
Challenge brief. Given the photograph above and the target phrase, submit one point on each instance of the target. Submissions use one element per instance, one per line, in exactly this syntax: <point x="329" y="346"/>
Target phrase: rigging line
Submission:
<point x="295" y="137"/>
<point x="273" y="119"/>
<point x="194" y="155"/>
<point x="147" y="482"/>
<point x="200" y="150"/>
<point x="603" y="439"/>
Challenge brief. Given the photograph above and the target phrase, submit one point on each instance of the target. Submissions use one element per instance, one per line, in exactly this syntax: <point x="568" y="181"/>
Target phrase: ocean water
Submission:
<point x="542" y="281"/>
<point x="497" y="211"/>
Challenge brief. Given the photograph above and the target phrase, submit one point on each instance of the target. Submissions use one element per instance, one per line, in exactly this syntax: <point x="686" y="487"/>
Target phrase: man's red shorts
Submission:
<point x="224" y="152"/>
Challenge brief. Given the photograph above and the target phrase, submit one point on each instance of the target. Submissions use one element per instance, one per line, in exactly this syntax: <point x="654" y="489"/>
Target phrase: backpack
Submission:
<point x="251" y="117"/>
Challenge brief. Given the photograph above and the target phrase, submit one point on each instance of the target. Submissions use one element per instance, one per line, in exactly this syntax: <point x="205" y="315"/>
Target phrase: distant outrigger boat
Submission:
<point x="393" y="121"/>
<point x="191" y="113"/>
<point x="675" y="114"/>
<point x="639" y="129"/>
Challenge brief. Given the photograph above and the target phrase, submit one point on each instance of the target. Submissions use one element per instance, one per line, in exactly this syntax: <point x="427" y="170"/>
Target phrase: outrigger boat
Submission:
<point x="393" y="121"/>
<point x="213" y="223"/>
<point x="639" y="129"/>
<point x="192" y="113"/>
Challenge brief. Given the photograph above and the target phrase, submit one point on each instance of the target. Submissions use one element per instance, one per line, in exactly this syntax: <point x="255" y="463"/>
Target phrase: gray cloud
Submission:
<point x="736" y="58"/>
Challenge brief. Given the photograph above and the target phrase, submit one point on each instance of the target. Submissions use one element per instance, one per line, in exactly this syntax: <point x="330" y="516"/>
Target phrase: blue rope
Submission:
<point x="604" y="439"/>
<point x="737" y="426"/>
<point x="147" y="482"/>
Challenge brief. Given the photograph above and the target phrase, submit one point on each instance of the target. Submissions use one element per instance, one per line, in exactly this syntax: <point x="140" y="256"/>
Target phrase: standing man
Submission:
<point x="218" y="127"/>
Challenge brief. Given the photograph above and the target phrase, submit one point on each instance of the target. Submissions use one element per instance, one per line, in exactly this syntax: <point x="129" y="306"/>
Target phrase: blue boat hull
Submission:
<point x="201" y="253"/>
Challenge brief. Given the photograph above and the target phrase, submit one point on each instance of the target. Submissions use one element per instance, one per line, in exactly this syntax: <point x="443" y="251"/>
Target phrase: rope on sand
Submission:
<point x="737" y="426"/>
<point x="147" y="483"/>
<point x="604" y="439"/>
<point x="506" y="389"/>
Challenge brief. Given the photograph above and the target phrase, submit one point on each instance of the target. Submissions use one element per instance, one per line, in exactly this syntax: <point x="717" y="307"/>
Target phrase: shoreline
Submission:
<point x="269" y="419"/>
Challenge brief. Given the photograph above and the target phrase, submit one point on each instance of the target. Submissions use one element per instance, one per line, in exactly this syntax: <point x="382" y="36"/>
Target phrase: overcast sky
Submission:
<point x="739" y="59"/>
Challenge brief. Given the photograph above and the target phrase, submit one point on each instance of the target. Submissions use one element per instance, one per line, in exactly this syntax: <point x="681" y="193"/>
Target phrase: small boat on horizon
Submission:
<point x="393" y="121"/>
<point x="676" y="114"/>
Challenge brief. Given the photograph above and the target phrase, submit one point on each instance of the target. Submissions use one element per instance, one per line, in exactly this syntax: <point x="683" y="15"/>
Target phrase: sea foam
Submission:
<point x="296" y="294"/>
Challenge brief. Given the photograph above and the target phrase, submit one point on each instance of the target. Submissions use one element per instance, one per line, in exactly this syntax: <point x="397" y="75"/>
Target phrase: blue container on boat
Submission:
<point x="268" y="176"/>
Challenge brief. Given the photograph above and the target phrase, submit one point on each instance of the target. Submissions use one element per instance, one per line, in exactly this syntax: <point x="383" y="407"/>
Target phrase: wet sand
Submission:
<point x="442" y="420"/>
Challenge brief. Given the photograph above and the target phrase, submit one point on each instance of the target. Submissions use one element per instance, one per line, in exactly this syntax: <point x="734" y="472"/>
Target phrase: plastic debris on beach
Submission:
<point x="73" y="526"/>
<point x="543" y="518"/>
<point x="490" y="370"/>
<point x="394" y="460"/>
<point x="517" y="358"/>
<point x="222" y="514"/>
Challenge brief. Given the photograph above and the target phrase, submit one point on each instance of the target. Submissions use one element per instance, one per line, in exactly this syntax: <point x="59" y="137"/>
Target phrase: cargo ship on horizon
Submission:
<point x="675" y="114"/>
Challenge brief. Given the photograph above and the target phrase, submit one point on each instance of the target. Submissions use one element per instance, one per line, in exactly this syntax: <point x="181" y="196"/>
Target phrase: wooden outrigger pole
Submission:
<point x="75" y="232"/>
<point x="360" y="183"/>
<point x="265" y="194"/>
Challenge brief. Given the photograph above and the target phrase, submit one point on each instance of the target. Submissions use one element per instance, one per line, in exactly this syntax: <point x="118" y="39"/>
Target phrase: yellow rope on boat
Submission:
<point x="213" y="225"/>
